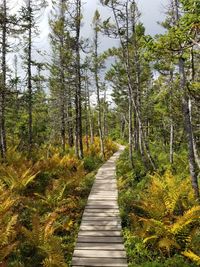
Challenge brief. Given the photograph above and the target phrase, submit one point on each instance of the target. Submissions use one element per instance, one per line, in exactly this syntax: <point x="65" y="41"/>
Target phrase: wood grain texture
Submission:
<point x="100" y="241"/>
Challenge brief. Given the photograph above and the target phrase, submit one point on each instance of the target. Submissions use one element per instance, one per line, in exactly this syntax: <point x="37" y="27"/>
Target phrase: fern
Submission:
<point x="192" y="256"/>
<point x="17" y="179"/>
<point x="189" y="217"/>
<point x="157" y="219"/>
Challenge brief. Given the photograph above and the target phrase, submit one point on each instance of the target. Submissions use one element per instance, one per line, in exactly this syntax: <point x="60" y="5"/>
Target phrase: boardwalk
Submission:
<point x="99" y="240"/>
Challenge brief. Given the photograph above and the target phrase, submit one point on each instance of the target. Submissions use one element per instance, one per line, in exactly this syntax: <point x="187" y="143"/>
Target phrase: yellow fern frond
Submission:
<point x="6" y="250"/>
<point x="168" y="244"/>
<point x="188" y="217"/>
<point x="192" y="256"/>
<point x="150" y="238"/>
<point x="8" y="232"/>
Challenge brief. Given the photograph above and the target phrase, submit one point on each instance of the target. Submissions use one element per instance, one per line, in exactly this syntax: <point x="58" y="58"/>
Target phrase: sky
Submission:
<point x="152" y="11"/>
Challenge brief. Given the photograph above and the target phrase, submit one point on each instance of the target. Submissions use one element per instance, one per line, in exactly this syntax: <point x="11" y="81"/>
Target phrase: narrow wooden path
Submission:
<point x="100" y="241"/>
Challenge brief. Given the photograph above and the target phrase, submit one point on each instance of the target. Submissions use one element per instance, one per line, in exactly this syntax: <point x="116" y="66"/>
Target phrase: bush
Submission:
<point x="160" y="217"/>
<point x="90" y="163"/>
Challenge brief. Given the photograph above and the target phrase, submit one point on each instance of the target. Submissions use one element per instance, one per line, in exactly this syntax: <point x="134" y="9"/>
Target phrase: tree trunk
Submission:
<point x="186" y="113"/>
<point x="96" y="69"/>
<point x="104" y="115"/>
<point x="62" y="82"/>
<point x="78" y="102"/>
<point x="130" y="127"/>
<point x="171" y="153"/>
<point x="171" y="156"/>
<point x="3" y="145"/>
<point x="30" y="96"/>
<point x="90" y="118"/>
<point x="86" y="112"/>
<point x="188" y="128"/>
<point x="69" y="120"/>
<point x="197" y="158"/>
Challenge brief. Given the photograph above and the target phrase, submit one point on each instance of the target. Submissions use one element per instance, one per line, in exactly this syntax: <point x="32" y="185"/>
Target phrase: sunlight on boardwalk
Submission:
<point x="99" y="241"/>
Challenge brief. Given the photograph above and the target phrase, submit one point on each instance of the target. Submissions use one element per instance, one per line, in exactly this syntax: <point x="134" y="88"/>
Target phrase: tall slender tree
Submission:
<point x="96" y="70"/>
<point x="3" y="143"/>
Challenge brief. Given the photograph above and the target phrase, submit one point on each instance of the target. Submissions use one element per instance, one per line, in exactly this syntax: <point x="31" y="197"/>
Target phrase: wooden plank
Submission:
<point x="103" y="194"/>
<point x="102" y="210"/>
<point x="96" y="223"/>
<point x="102" y="202"/>
<point x="100" y="227"/>
<point x="99" y="233"/>
<point x="100" y="189"/>
<point x="100" y="246"/>
<point x="106" y="218"/>
<point x="92" y="206"/>
<point x="117" y="254"/>
<point x="100" y="239"/>
<point x="105" y="212"/>
<point x="99" y="262"/>
<point x="101" y="214"/>
<point x="100" y="198"/>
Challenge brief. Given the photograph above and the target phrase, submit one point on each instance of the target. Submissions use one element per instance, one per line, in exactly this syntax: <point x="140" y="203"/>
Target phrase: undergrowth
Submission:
<point x="41" y="204"/>
<point x="160" y="217"/>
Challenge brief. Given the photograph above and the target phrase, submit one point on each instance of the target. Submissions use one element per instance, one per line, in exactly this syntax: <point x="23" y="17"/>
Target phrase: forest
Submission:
<point x="58" y="126"/>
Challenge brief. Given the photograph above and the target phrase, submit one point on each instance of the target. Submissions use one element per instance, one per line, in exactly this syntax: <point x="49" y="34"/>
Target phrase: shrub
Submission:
<point x="160" y="217"/>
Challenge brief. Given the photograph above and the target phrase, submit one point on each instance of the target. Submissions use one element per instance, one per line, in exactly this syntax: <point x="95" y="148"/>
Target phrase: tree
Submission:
<point x="96" y="68"/>
<point x="124" y="28"/>
<point x="28" y="17"/>
<point x="4" y="22"/>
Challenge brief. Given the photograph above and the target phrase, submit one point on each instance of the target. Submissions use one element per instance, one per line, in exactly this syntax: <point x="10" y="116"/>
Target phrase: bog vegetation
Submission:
<point x="54" y="136"/>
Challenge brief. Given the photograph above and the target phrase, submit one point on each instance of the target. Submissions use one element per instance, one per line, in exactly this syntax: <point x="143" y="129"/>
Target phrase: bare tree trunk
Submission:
<point x="90" y="117"/>
<point x="104" y="114"/>
<point x="130" y="120"/>
<point x="3" y="143"/>
<point x="96" y="69"/>
<point x="171" y="156"/>
<point x="62" y="82"/>
<point x="188" y="129"/>
<point x="123" y="126"/>
<point x="69" y="121"/>
<point x="86" y="112"/>
<point x="171" y="153"/>
<point x="62" y="110"/>
<point x="79" y="141"/>
<point x="30" y="92"/>
<point x="197" y="158"/>
<point x="186" y="113"/>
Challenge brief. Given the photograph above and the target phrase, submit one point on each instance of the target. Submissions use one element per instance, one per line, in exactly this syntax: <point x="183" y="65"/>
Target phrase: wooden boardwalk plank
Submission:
<point x="101" y="214"/>
<point x="101" y="262"/>
<point x="120" y="254"/>
<point x="101" y="223"/>
<point x="99" y="233"/>
<point x="99" y="246"/>
<point x="100" y="227"/>
<point x="105" y="218"/>
<point x="99" y="240"/>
